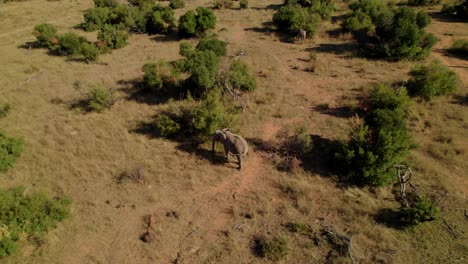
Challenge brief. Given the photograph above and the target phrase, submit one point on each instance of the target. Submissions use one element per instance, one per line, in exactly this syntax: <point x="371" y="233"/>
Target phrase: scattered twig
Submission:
<point x="30" y="77"/>
<point x="149" y="235"/>
<point x="450" y="229"/>
<point x="193" y="232"/>
<point x="116" y="103"/>
<point x="346" y="240"/>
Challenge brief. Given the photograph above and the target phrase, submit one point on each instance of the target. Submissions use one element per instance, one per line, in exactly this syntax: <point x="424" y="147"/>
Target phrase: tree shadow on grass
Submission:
<point x="460" y="99"/>
<point x="341" y="111"/>
<point x="390" y="218"/>
<point x="135" y="92"/>
<point x="445" y="18"/>
<point x="348" y="49"/>
<point x="172" y="37"/>
<point x="269" y="30"/>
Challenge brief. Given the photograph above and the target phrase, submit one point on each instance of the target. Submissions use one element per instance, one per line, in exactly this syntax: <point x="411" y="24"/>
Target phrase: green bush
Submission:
<point x="399" y="33"/>
<point x="99" y="98"/>
<point x="424" y="209"/>
<point x="244" y="4"/>
<point x="96" y="18"/>
<point x="199" y="120"/>
<point x="215" y="45"/>
<point x="161" y="20"/>
<point x="380" y="142"/>
<point x="113" y="37"/>
<point x="221" y="4"/>
<point x="293" y="17"/>
<point x="105" y="3"/>
<point x="202" y="66"/>
<point x="431" y="80"/>
<point x="460" y="47"/>
<point x="10" y="149"/>
<point x="274" y="249"/>
<point x="185" y="49"/>
<point x="239" y="77"/>
<point x="46" y="34"/>
<point x="90" y="51"/>
<point x="192" y="23"/>
<point x="31" y="215"/>
<point x="159" y="77"/>
<point x="423" y="2"/>
<point x="175" y="4"/>
<point x="4" y="109"/>
<point x="69" y="44"/>
<point x="459" y="10"/>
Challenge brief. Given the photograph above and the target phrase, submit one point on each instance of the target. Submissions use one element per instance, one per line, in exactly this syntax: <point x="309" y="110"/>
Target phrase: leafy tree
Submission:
<point x="113" y="37"/>
<point x="10" y="149"/>
<point x="69" y="44"/>
<point x="293" y="17"/>
<point x="431" y="80"/>
<point x="46" y="34"/>
<point x="380" y="142"/>
<point x="206" y="19"/>
<point x="90" y="51"/>
<point x="424" y="209"/>
<point x="188" y="24"/>
<point x="215" y="45"/>
<point x="96" y="18"/>
<point x="161" y="20"/>
<point x="192" y="23"/>
<point x="203" y="68"/>
<point x="159" y="77"/>
<point x="239" y="77"/>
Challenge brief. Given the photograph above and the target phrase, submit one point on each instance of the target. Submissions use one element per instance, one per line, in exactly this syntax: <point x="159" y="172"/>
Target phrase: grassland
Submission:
<point x="219" y="211"/>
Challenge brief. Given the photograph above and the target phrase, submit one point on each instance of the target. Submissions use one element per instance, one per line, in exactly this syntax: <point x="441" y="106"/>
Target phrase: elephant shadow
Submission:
<point x="216" y="159"/>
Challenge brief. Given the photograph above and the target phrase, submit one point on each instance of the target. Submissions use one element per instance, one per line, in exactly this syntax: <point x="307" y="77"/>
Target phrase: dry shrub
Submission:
<point x="135" y="175"/>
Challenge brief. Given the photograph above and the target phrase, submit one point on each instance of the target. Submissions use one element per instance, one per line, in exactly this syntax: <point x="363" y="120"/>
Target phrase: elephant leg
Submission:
<point x="226" y="152"/>
<point x="239" y="158"/>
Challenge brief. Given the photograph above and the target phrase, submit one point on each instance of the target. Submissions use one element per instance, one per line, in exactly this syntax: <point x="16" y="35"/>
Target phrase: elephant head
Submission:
<point x="220" y="135"/>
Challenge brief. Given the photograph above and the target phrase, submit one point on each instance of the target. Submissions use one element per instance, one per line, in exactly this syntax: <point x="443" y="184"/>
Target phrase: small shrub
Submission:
<point x="215" y="45"/>
<point x="202" y="66"/>
<point x="185" y="49"/>
<point x="10" y="149"/>
<point x="31" y="215"/>
<point x="239" y="77"/>
<point x="175" y="4"/>
<point x="460" y="47"/>
<point x="206" y="19"/>
<point x="221" y="4"/>
<point x="4" y="109"/>
<point x="192" y="23"/>
<point x="90" y="51"/>
<point x="69" y="44"/>
<point x="96" y="18"/>
<point x="244" y="4"/>
<point x="99" y="98"/>
<point x="424" y="209"/>
<point x="105" y="3"/>
<point x="158" y="77"/>
<point x="431" y="80"/>
<point x="274" y="249"/>
<point x="46" y="35"/>
<point x="188" y="24"/>
<point x="161" y="20"/>
<point x="167" y="127"/>
<point x="113" y="37"/>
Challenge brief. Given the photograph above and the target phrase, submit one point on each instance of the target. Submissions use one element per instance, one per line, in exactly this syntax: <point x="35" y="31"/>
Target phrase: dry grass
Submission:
<point x="220" y="210"/>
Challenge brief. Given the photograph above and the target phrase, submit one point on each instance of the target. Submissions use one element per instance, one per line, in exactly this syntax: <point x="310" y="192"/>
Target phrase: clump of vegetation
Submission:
<point x="221" y="4"/>
<point x="4" y="109"/>
<point x="196" y="23"/>
<point x="423" y="2"/>
<point x="244" y="4"/>
<point x="31" y="215"/>
<point x="46" y="35"/>
<point x="105" y="3"/>
<point x="198" y="120"/>
<point x="69" y="44"/>
<point x="460" y="47"/>
<point x="239" y="76"/>
<point x="10" y="149"/>
<point x="159" y="77"/>
<point x="291" y="18"/>
<point x="113" y="37"/>
<point x="96" y="18"/>
<point x="275" y="248"/>
<point x="431" y="80"/>
<point x="161" y="20"/>
<point x="380" y="142"/>
<point x="215" y="45"/>
<point x="90" y="51"/>
<point x="395" y="33"/>
<point x="99" y="98"/>
<point x="458" y="9"/>
<point x="293" y="148"/>
<point x="175" y="4"/>
<point x="423" y="209"/>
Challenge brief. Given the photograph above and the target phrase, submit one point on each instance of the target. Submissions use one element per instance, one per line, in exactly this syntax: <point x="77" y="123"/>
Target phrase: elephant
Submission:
<point x="233" y="144"/>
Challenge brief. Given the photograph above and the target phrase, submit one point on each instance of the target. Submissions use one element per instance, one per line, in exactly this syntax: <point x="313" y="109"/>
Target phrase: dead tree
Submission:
<point x="404" y="176"/>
